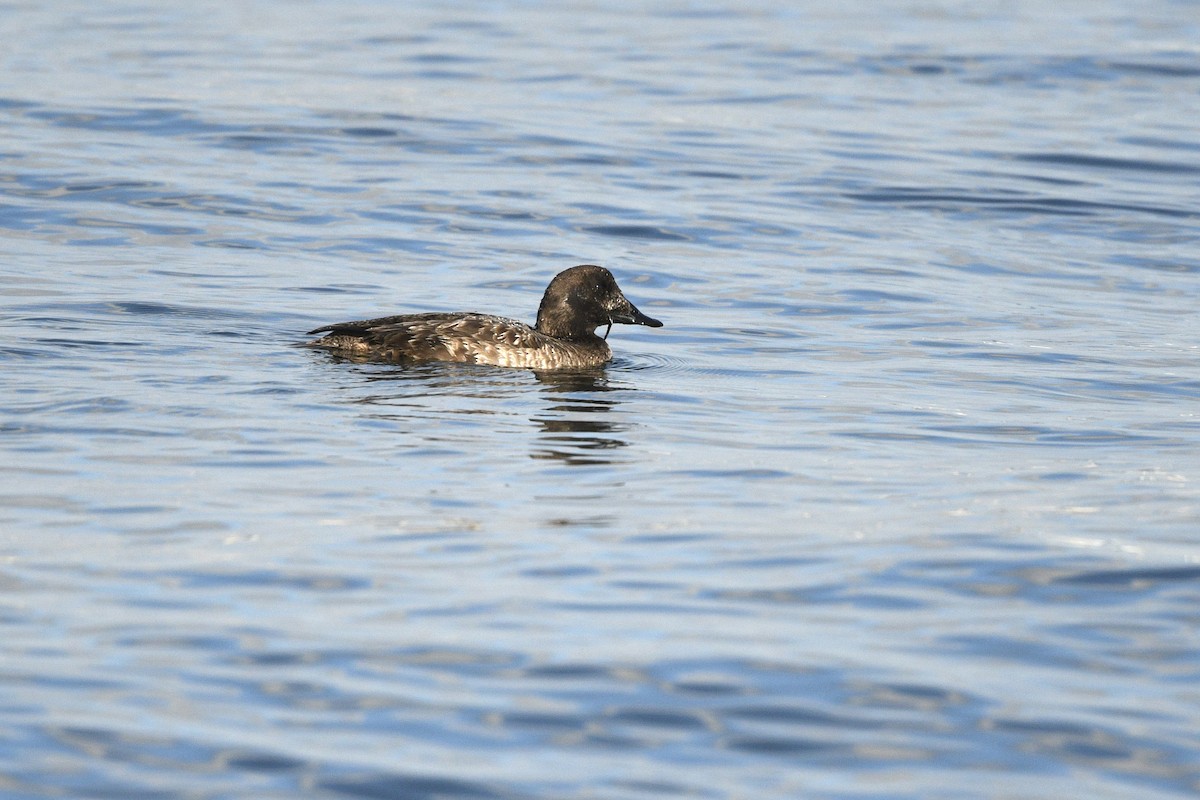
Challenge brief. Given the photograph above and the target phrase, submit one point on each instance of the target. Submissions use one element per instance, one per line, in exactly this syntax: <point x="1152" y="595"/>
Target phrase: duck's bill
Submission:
<point x="634" y="317"/>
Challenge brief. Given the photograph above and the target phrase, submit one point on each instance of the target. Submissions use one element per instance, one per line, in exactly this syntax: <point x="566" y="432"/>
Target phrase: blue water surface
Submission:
<point x="902" y="502"/>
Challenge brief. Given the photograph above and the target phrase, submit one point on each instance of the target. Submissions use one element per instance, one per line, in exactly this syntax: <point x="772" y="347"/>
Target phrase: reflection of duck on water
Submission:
<point x="575" y="427"/>
<point x="576" y="302"/>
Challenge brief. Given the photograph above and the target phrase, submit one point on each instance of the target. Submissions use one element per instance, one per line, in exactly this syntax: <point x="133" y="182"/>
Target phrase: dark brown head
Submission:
<point x="583" y="298"/>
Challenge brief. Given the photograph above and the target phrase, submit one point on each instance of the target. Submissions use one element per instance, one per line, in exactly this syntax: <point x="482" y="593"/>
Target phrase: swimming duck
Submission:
<point x="576" y="303"/>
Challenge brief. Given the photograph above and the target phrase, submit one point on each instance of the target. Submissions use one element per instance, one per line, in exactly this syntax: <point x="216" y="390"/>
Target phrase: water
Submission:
<point x="901" y="503"/>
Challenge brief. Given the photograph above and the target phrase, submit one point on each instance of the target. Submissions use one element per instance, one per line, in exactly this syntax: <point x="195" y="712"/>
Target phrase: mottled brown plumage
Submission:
<point x="576" y="302"/>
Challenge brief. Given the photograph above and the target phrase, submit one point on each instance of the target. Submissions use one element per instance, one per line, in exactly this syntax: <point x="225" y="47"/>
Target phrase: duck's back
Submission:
<point x="463" y="337"/>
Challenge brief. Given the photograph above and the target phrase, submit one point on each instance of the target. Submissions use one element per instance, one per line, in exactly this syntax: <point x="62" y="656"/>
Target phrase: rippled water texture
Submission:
<point x="901" y="502"/>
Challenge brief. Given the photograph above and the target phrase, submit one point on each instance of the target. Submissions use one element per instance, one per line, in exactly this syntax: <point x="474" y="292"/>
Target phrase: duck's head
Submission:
<point x="583" y="298"/>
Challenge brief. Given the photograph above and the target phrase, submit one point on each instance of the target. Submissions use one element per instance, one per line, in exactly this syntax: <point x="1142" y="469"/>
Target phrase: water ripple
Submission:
<point x="965" y="201"/>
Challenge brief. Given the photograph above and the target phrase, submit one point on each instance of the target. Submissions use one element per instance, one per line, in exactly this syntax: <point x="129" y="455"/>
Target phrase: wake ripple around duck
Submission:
<point x="682" y="370"/>
<point x="667" y="365"/>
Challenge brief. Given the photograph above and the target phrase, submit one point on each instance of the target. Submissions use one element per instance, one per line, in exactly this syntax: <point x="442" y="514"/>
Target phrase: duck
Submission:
<point x="577" y="302"/>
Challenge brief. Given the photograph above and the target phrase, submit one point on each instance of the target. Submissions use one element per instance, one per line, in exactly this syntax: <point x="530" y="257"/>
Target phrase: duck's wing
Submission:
<point x="477" y="338"/>
<point x="472" y="338"/>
